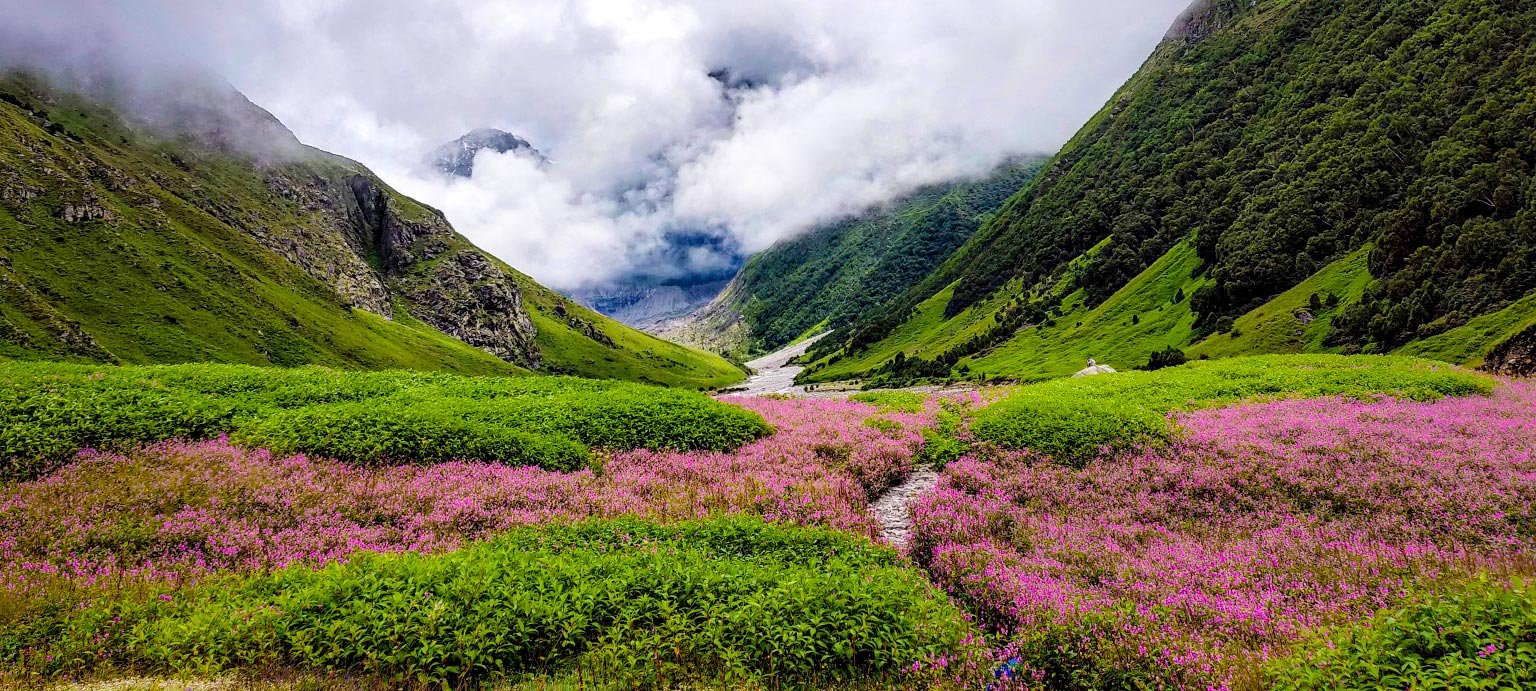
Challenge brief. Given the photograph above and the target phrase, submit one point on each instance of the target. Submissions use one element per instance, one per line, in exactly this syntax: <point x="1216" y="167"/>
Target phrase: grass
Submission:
<point x="623" y="603"/>
<point x="1278" y="327"/>
<point x="1076" y="420"/>
<point x="52" y="410"/>
<point x="1143" y="317"/>
<point x="1471" y="342"/>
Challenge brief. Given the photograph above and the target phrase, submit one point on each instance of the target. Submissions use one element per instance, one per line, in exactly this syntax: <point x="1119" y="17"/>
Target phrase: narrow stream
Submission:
<point x="894" y="508"/>
<point x="772" y="374"/>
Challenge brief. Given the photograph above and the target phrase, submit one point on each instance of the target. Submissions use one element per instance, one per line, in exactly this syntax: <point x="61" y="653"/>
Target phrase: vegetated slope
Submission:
<point x="202" y="230"/>
<point x="839" y="271"/>
<point x="1275" y="140"/>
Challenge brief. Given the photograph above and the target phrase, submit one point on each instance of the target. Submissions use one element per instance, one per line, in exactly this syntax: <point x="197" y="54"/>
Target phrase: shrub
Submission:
<point x="904" y="401"/>
<point x="1481" y="635"/>
<point x="1167" y="357"/>
<point x="1074" y="432"/>
<point x="365" y="434"/>
<point x="51" y="410"/>
<point x="723" y="601"/>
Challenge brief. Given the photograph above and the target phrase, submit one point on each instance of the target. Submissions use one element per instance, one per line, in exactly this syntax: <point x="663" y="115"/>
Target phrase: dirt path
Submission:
<point x="894" y="508"/>
<point x="774" y="374"/>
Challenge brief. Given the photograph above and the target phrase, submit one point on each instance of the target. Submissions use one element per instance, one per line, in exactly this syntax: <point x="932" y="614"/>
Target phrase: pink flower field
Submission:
<point x="178" y="510"/>
<point x="1194" y="564"/>
<point x="1183" y="566"/>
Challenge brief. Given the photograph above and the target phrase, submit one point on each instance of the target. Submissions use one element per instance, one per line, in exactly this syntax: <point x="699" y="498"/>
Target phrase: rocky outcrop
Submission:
<point x="1202" y="18"/>
<point x="333" y="246"/>
<point x="1515" y="357"/>
<point x="468" y="297"/>
<point x="461" y="293"/>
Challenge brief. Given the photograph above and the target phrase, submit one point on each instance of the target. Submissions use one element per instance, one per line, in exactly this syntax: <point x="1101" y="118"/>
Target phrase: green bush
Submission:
<point x="363" y="433"/>
<point x="1479" y="636"/>
<point x="904" y="401"/>
<point x="49" y="411"/>
<point x="1074" y="420"/>
<point x="1074" y="431"/>
<point x="731" y="600"/>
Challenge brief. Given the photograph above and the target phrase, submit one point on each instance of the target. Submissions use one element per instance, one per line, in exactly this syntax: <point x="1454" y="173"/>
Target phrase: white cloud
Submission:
<point x="855" y="102"/>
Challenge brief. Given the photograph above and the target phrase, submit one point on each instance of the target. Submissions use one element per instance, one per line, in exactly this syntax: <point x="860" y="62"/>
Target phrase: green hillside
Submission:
<point x="830" y="276"/>
<point x="1378" y="152"/>
<point x="211" y="234"/>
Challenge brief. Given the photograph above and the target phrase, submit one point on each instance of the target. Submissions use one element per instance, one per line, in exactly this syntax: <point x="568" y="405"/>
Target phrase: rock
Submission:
<point x="469" y="298"/>
<point x="1515" y="357"/>
<point x="1096" y="369"/>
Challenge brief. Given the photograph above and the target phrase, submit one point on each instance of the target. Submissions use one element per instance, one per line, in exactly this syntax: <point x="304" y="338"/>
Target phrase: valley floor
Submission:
<point x="1299" y="518"/>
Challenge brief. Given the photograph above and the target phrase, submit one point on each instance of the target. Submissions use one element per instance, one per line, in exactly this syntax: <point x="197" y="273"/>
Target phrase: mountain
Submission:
<point x="193" y="226"/>
<point x="458" y="156"/>
<point x="1280" y="176"/>
<point x="647" y="305"/>
<point x="839" y="271"/>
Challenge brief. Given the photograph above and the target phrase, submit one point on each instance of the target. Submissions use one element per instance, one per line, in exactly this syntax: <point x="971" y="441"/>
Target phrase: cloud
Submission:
<point x="742" y="122"/>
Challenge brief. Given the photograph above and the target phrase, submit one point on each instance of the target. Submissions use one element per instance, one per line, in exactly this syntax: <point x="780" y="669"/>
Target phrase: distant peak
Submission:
<point x="458" y="156"/>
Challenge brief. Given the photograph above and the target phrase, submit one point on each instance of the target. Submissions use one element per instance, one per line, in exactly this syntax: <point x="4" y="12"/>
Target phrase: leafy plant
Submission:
<point x="1480" y="635"/>
<point x="731" y="600"/>
<point x="51" y="411"/>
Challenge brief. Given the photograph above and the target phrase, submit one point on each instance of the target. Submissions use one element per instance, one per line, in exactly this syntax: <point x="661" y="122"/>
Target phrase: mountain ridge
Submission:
<point x="1274" y="139"/>
<point x="131" y="243"/>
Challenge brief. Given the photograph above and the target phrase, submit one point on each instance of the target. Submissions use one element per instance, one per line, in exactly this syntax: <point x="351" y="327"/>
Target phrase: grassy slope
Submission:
<point x="638" y="357"/>
<point x="1106" y="332"/>
<point x="839" y="271"/>
<point x="166" y="281"/>
<point x="1470" y="342"/>
<point x="1275" y="327"/>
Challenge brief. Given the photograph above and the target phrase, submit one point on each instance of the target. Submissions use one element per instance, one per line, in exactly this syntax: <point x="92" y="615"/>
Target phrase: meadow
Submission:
<point x="1297" y="523"/>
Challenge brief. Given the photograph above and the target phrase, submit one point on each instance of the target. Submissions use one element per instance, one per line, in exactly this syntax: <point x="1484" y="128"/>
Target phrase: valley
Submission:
<point x="764" y="369"/>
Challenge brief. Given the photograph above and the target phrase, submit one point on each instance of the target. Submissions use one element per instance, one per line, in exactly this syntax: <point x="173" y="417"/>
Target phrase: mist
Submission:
<point x="744" y="123"/>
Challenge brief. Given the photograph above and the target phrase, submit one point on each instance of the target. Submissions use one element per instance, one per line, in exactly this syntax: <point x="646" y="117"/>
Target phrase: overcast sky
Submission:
<point x="833" y="105"/>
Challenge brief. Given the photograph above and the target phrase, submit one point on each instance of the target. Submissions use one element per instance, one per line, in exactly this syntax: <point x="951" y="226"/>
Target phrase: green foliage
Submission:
<point x="904" y="401"/>
<point x="50" y="411"/>
<point x="1076" y="420"/>
<point x="370" y="434"/>
<point x="1284" y="137"/>
<point x="1481" y="635"/>
<point x="727" y="601"/>
<point x="1167" y="357"/>
<point x="1072" y="430"/>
